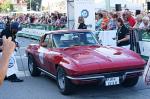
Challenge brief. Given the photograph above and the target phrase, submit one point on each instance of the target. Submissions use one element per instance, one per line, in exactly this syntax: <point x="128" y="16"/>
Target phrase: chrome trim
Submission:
<point x="100" y="76"/>
<point x="85" y="78"/>
<point x="53" y="76"/>
<point x="137" y="71"/>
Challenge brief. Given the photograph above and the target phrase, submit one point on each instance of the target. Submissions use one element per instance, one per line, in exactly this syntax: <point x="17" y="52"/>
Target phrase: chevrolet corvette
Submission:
<point x="74" y="57"/>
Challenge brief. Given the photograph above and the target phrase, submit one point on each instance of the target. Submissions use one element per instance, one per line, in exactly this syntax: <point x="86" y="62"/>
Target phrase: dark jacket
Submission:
<point x="122" y="33"/>
<point x="82" y="26"/>
<point x="6" y="32"/>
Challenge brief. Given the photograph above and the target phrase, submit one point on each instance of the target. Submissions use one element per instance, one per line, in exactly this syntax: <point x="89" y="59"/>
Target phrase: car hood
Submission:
<point x="86" y="55"/>
<point x="100" y="57"/>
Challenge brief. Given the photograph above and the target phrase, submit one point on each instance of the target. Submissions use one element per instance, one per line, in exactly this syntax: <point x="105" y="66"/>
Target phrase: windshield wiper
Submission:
<point x="75" y="45"/>
<point x="71" y="46"/>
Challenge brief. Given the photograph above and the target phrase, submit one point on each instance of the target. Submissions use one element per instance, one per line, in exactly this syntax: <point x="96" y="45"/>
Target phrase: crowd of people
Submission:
<point x="104" y="20"/>
<point x="108" y="20"/>
<point x="127" y="25"/>
<point x="52" y="19"/>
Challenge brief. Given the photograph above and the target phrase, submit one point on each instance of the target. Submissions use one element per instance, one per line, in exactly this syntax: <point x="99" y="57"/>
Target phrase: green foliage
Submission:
<point x="6" y="6"/>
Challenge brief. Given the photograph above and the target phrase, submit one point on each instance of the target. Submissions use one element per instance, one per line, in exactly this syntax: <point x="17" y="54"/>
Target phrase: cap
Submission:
<point x="16" y="25"/>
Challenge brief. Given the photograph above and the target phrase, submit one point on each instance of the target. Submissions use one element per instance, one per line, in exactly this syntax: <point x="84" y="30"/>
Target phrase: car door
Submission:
<point x="43" y="51"/>
<point x="50" y="56"/>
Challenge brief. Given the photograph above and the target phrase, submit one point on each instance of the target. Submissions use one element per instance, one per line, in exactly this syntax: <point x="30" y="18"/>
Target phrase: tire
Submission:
<point x="130" y="82"/>
<point x="34" y="71"/>
<point x="64" y="84"/>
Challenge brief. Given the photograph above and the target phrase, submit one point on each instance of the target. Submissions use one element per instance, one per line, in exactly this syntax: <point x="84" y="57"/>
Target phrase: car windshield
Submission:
<point x="73" y="39"/>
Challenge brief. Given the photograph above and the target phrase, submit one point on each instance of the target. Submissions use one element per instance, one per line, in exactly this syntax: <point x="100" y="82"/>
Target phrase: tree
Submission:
<point x="5" y="6"/>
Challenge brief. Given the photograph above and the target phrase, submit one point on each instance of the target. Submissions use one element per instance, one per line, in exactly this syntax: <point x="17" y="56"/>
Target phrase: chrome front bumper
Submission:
<point x="123" y="74"/>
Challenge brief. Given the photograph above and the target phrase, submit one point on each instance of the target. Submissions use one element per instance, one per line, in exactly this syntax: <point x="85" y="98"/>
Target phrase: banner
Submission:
<point x="86" y="9"/>
<point x="12" y="67"/>
<point x="35" y="32"/>
<point x="106" y="37"/>
<point x="144" y="35"/>
<point x="146" y="74"/>
<point x="144" y="42"/>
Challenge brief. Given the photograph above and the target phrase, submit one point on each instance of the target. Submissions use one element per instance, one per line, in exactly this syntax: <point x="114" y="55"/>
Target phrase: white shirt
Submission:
<point x="143" y="26"/>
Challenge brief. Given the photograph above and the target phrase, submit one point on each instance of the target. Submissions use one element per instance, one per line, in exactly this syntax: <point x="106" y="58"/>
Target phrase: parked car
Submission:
<point x="75" y="57"/>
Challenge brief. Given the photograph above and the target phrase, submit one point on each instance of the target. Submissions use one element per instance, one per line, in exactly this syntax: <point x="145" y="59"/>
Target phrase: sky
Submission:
<point x="45" y="2"/>
<point x="101" y="3"/>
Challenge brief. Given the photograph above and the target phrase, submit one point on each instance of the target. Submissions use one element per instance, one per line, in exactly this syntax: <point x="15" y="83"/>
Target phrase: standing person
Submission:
<point x="145" y="23"/>
<point x="131" y="19"/>
<point x="105" y="21"/>
<point x="122" y="34"/>
<point x="99" y="18"/>
<point x="138" y="21"/>
<point x="130" y="22"/>
<point x="11" y="31"/>
<point x="134" y="35"/>
<point x="81" y="23"/>
<point x="113" y="22"/>
<point x="125" y="20"/>
<point x="7" y="49"/>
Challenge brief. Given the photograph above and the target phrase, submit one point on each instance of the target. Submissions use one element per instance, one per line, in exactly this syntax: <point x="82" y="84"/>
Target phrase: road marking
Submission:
<point x="19" y="57"/>
<point x="23" y="73"/>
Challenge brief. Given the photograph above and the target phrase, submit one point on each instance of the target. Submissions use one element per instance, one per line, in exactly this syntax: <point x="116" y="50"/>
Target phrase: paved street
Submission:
<point x="44" y="87"/>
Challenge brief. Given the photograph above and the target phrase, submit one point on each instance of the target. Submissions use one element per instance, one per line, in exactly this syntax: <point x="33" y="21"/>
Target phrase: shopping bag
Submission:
<point x="146" y="74"/>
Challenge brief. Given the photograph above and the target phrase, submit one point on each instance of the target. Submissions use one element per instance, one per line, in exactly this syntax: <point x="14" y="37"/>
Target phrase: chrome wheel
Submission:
<point x="30" y="65"/>
<point x="64" y="84"/>
<point x="61" y="79"/>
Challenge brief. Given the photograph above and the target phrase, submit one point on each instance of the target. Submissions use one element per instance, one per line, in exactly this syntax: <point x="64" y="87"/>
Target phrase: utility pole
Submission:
<point x="107" y="5"/>
<point x="30" y="5"/>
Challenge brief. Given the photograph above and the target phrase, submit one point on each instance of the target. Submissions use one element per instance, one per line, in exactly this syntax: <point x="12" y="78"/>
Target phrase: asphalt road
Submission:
<point x="44" y="87"/>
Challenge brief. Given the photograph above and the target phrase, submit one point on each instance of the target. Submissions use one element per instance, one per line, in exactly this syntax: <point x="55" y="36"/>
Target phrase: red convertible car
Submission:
<point x="75" y="57"/>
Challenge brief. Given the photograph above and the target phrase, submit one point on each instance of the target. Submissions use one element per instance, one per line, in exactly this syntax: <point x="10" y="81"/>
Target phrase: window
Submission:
<point x="47" y="41"/>
<point x="74" y="39"/>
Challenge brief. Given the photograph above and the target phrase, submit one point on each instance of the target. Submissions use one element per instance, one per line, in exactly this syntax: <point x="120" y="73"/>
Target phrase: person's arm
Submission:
<point x="8" y="49"/>
<point x="127" y="37"/>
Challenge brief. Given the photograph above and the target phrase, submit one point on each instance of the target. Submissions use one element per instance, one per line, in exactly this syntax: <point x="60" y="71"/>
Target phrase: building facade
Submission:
<point x="19" y="5"/>
<point x="130" y="4"/>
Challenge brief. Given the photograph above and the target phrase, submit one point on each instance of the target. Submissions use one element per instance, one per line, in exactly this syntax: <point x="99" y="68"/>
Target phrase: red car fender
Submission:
<point x="55" y="57"/>
<point x="31" y="49"/>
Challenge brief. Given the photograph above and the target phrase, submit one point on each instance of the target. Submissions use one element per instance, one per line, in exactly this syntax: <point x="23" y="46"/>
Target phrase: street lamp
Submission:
<point x="37" y="6"/>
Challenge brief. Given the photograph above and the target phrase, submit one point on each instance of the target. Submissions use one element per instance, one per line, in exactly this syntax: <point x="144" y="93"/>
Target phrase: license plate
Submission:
<point x="112" y="81"/>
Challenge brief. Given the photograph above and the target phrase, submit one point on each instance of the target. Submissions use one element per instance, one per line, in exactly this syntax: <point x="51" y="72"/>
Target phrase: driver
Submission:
<point x="76" y="39"/>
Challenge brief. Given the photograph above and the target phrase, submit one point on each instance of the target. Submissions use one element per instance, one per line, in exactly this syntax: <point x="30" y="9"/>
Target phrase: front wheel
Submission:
<point x="64" y="84"/>
<point x="130" y="82"/>
<point x="34" y="71"/>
